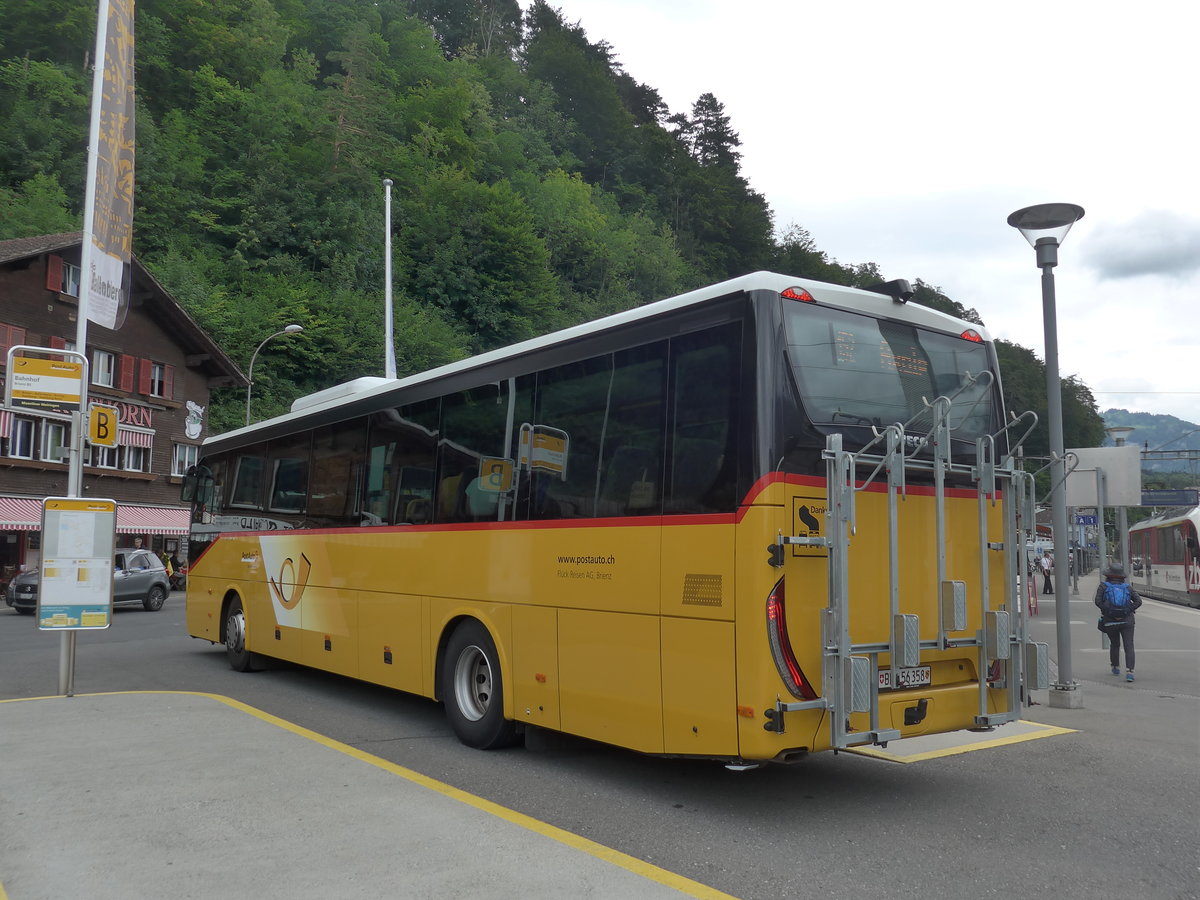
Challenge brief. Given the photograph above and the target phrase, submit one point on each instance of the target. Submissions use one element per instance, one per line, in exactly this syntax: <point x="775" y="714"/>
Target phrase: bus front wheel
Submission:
<point x="240" y="659"/>
<point x="473" y="690"/>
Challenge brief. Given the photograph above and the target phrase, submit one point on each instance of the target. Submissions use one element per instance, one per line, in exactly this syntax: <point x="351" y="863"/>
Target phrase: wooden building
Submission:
<point x="157" y="368"/>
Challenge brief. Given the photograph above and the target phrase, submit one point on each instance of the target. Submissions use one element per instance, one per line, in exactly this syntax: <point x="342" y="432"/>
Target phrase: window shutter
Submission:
<point x="10" y="335"/>
<point x="127" y="364"/>
<point x="144" y="377"/>
<point x="169" y="382"/>
<point x="58" y="343"/>
<point x="54" y="273"/>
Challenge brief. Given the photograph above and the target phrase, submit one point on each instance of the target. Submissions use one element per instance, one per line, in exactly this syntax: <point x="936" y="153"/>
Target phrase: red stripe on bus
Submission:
<point x="750" y="501"/>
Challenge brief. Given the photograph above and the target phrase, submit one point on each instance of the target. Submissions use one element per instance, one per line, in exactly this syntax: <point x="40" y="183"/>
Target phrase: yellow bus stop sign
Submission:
<point x="102" y="425"/>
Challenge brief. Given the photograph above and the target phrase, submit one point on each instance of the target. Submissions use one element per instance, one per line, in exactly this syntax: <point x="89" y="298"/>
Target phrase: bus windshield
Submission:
<point x="859" y="370"/>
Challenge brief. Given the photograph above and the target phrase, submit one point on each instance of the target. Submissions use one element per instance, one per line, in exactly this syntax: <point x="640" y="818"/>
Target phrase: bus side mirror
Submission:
<point x="198" y="486"/>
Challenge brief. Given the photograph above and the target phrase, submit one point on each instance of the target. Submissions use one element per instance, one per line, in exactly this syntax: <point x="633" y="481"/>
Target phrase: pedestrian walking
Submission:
<point x="1117" y="602"/>
<point x="1047" y="564"/>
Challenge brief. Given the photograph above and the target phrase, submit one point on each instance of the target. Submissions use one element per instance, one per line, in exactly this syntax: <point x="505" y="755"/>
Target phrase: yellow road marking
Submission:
<point x="607" y="854"/>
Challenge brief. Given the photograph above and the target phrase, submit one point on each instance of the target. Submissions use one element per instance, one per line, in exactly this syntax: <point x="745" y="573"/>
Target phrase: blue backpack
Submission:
<point x="1116" y="600"/>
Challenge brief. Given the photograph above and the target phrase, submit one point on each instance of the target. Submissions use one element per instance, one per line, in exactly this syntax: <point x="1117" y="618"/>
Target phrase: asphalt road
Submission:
<point x="1112" y="810"/>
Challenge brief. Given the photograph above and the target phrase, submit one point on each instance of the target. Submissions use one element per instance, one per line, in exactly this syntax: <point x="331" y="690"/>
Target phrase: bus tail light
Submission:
<point x="781" y="647"/>
<point x="797" y="293"/>
<point x="972" y="335"/>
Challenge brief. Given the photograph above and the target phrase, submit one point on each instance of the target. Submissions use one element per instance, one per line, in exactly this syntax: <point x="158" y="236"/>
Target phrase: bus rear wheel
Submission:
<point x="473" y="689"/>
<point x="240" y="659"/>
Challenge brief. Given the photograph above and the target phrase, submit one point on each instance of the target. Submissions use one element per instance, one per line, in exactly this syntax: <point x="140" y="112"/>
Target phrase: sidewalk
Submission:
<point x="151" y="795"/>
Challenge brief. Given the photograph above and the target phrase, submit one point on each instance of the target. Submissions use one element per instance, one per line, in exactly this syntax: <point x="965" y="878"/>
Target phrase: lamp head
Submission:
<point x="1119" y="432"/>
<point x="293" y="329"/>
<point x="1046" y="220"/>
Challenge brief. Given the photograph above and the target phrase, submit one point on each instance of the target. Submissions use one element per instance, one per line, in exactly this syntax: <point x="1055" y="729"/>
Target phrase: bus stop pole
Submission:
<point x="66" y="650"/>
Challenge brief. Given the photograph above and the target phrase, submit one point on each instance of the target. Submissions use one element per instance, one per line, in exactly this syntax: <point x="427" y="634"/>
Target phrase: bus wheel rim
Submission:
<point x="235" y="632"/>
<point x="473" y="683"/>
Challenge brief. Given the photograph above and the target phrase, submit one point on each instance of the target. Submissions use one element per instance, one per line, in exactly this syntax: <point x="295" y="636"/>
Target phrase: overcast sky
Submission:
<point x="905" y="133"/>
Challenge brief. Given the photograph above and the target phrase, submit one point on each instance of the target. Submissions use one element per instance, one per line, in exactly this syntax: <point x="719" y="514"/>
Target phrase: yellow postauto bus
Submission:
<point x="757" y="520"/>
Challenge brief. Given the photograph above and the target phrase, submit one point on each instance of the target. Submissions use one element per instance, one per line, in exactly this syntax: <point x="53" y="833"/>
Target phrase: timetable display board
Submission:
<point x="75" y="581"/>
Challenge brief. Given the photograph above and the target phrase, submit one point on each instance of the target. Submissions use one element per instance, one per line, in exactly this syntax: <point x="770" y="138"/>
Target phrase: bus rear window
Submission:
<point x="859" y="370"/>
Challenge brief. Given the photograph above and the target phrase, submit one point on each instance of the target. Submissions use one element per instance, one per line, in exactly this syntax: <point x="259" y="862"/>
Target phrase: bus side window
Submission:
<point x="287" y="460"/>
<point x="400" y="455"/>
<point x="247" y="483"/>
<point x="705" y="387"/>
<point x="631" y="469"/>
<point x="338" y="457"/>
<point x="473" y="428"/>
<point x="573" y="398"/>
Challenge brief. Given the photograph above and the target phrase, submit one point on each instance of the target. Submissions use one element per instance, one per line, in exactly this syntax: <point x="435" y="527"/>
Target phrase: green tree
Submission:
<point x="483" y="27"/>
<point x="713" y="140"/>
<point x="44" y="113"/>
<point x="1023" y="378"/>
<point x="474" y="253"/>
<point x="38" y="206"/>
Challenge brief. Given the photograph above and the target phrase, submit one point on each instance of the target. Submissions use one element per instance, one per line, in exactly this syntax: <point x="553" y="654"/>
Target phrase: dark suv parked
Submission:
<point x="138" y="577"/>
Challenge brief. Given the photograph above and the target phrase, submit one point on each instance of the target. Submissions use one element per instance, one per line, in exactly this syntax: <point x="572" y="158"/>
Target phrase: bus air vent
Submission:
<point x="702" y="590"/>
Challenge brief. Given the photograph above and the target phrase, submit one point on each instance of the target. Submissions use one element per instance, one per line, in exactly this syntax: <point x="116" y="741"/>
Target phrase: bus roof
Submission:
<point x="853" y="299"/>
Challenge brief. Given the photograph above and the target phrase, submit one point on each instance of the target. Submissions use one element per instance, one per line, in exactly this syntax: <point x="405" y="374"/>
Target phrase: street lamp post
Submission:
<point x="1044" y="226"/>
<point x="290" y="329"/>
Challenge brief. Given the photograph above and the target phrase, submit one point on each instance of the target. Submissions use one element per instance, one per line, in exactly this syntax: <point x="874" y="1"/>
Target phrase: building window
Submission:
<point x="104" y="368"/>
<point x="157" y="379"/>
<point x="20" y="441"/>
<point x="105" y="457"/>
<point x="183" y="457"/>
<point x="70" y="279"/>
<point x="137" y="459"/>
<point x="54" y="442"/>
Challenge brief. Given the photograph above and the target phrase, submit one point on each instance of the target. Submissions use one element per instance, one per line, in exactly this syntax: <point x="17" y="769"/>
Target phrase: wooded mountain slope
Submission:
<point x="537" y="184"/>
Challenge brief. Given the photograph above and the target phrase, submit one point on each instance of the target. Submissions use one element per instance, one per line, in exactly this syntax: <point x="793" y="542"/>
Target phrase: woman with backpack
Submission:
<point x="1117" y="602"/>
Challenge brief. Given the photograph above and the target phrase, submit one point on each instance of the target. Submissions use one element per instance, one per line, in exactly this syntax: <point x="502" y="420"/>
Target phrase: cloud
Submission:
<point x="1154" y="243"/>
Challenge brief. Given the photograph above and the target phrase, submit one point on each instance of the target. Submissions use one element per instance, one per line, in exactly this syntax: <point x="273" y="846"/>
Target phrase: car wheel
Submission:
<point x="23" y="612"/>
<point x="473" y="690"/>
<point x="240" y="659"/>
<point x="154" y="598"/>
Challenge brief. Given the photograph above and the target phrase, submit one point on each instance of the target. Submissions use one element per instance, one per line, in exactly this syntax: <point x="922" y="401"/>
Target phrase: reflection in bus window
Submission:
<point x="338" y="463"/>
<point x="247" y="483"/>
<point x="855" y="369"/>
<point x="288" y="460"/>
<point x="629" y="481"/>
<point x="574" y="399"/>
<point x="705" y="412"/>
<point x="218" y="468"/>
<point x="402" y="442"/>
<point x="473" y="427"/>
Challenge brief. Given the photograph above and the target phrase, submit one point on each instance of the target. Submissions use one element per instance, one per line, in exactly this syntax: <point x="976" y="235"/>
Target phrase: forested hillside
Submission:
<point x="537" y="184"/>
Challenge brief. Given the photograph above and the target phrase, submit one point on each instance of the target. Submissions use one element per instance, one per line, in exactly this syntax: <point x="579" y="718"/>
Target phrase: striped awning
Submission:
<point x="151" y="520"/>
<point x="20" y="514"/>
<point x="25" y="514"/>
<point x="127" y="437"/>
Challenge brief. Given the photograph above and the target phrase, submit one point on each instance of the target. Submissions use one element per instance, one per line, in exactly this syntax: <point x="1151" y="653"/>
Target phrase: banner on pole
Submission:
<point x="107" y="283"/>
